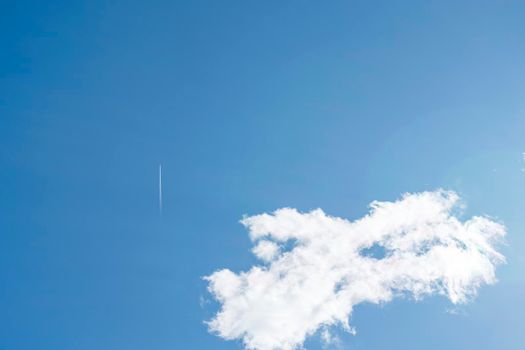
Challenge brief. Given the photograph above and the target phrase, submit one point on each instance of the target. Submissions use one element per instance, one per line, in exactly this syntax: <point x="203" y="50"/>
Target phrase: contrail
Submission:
<point x="160" y="188"/>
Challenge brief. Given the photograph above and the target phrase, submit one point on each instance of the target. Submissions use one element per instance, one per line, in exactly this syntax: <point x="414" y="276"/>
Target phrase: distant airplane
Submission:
<point x="160" y="188"/>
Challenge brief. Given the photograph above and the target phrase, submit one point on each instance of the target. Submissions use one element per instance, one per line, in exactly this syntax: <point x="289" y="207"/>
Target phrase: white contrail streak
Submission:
<point x="160" y="188"/>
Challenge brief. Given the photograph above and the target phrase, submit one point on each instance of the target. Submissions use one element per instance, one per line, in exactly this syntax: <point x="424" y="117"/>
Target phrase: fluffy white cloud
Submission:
<point x="315" y="267"/>
<point x="266" y="250"/>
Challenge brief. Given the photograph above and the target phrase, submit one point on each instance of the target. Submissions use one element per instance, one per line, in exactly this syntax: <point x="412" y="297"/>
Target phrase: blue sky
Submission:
<point x="250" y="106"/>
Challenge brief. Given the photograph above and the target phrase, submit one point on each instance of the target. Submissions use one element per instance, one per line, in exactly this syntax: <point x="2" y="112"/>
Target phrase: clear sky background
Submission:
<point x="250" y="106"/>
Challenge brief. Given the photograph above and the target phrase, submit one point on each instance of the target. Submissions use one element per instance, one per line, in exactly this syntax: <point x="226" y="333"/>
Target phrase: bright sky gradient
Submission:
<point x="250" y="106"/>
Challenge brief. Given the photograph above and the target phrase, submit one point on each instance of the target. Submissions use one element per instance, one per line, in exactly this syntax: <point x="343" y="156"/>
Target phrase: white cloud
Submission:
<point x="330" y="340"/>
<point x="266" y="250"/>
<point x="324" y="273"/>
